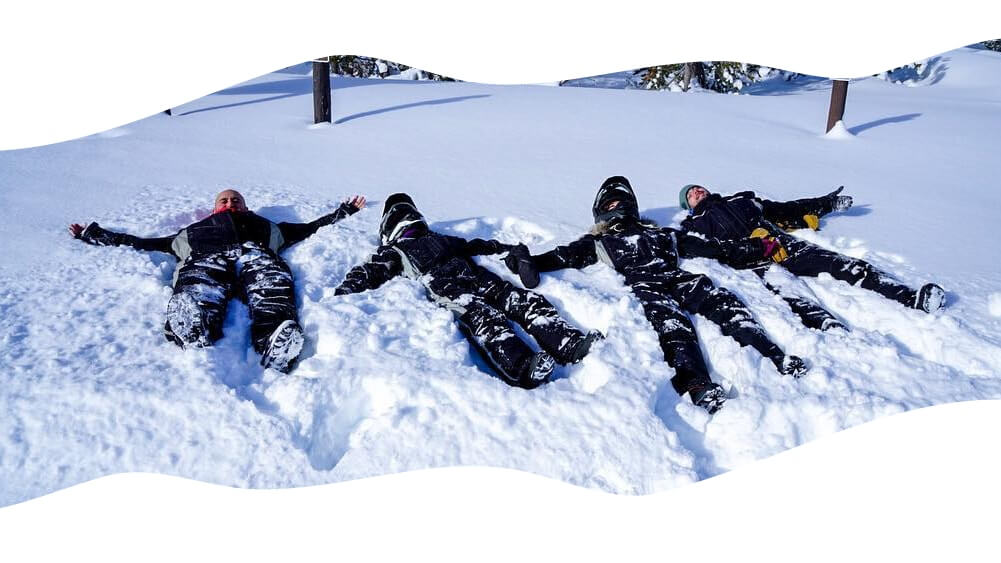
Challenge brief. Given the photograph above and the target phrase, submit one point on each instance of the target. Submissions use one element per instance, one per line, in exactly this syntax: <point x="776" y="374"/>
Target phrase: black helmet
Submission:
<point x="615" y="189"/>
<point x="399" y="216"/>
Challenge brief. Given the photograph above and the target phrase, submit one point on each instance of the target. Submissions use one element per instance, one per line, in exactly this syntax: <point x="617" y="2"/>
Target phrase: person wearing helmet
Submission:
<point x="746" y="215"/>
<point x="647" y="255"/>
<point x="233" y="251"/>
<point x="481" y="301"/>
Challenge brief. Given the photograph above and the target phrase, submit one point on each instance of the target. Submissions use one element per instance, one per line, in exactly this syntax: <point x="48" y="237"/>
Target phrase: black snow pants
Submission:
<point x="484" y="304"/>
<point x="810" y="313"/>
<point x="206" y="283"/>
<point x="806" y="259"/>
<point x="665" y="301"/>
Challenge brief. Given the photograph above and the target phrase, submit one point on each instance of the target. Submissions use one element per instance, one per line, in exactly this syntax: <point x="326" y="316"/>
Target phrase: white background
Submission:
<point x="920" y="485"/>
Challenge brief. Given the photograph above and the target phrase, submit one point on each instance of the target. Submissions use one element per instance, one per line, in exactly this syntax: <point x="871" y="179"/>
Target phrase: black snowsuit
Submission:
<point x="223" y="255"/>
<point x="647" y="255"/>
<point x="481" y="301"/>
<point x="736" y="216"/>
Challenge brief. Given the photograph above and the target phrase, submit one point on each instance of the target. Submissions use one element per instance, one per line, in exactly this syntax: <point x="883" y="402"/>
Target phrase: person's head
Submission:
<point x="229" y="201"/>
<point x="401" y="219"/>
<point x="615" y="200"/>
<point x="691" y="195"/>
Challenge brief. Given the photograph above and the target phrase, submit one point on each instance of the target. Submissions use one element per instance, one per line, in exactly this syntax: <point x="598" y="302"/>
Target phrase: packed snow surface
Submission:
<point x="89" y="386"/>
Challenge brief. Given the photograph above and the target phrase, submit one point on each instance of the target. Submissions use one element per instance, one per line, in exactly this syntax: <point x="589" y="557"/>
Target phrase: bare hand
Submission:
<point x="357" y="201"/>
<point x="76" y="229"/>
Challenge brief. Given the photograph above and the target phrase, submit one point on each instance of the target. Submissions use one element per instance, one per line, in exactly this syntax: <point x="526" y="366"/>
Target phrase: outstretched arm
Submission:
<point x="298" y="232"/>
<point x="735" y="252"/>
<point x="383" y="266"/>
<point x="95" y="234"/>
<point x="578" y="254"/>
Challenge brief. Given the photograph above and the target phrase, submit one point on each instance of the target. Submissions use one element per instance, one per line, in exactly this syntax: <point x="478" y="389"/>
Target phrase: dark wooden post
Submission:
<point x="838" y="94"/>
<point x="321" y="90"/>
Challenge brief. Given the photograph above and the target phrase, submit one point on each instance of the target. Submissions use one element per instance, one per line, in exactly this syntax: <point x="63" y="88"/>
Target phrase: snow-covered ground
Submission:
<point x="88" y="385"/>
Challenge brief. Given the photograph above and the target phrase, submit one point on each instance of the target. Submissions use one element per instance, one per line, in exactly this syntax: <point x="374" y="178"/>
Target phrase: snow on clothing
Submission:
<point x="647" y="255"/>
<point x="224" y="255"/>
<point x="736" y="216"/>
<point x="481" y="301"/>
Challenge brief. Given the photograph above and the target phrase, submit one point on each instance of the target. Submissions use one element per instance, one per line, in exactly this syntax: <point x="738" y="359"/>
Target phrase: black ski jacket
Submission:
<point x="436" y="260"/>
<point x="220" y="232"/>
<point x="735" y="216"/>
<point x="643" y="251"/>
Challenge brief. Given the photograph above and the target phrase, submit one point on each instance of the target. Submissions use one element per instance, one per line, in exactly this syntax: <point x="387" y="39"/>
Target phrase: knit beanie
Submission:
<point x="683" y="196"/>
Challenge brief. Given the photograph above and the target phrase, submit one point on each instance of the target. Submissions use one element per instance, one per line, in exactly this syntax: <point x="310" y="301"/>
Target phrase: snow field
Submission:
<point x="387" y="383"/>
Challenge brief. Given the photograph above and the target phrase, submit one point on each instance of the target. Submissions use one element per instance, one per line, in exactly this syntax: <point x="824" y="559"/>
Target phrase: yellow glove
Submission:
<point x="772" y="247"/>
<point x="812" y="221"/>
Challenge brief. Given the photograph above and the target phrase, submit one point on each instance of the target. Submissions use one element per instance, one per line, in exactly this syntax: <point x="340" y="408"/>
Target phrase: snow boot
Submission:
<point x="536" y="370"/>
<point x="575" y="351"/>
<point x="186" y="322"/>
<point x="832" y="324"/>
<point x="930" y="298"/>
<point x="710" y="397"/>
<point x="283" y="347"/>
<point x="790" y="365"/>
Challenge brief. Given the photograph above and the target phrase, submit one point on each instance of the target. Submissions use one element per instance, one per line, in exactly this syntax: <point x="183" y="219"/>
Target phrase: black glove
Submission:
<point x="839" y="202"/>
<point x="94" y="234"/>
<point x="519" y="261"/>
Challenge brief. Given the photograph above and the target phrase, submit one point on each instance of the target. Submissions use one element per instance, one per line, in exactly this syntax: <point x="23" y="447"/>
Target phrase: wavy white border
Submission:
<point x="72" y="69"/>
<point x="920" y="485"/>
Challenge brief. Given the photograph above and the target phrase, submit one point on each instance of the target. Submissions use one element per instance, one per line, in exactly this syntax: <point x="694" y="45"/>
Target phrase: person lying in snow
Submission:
<point x="481" y="301"/>
<point x="233" y="251"/>
<point x="746" y="215"/>
<point x="647" y="255"/>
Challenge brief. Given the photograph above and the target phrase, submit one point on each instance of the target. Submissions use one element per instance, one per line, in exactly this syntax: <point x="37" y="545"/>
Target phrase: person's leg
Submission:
<point x="537" y="316"/>
<point x="267" y="287"/>
<point x="487" y="329"/>
<point x="810" y="313"/>
<point x="197" y="309"/>
<point x="812" y="260"/>
<point x="680" y="345"/>
<point x="697" y="294"/>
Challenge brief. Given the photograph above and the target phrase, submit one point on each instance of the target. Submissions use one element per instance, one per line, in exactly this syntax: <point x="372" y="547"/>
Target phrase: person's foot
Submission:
<point x="831" y="323"/>
<point x="931" y="298"/>
<point x="790" y="365"/>
<point x="536" y="370"/>
<point x="186" y="322"/>
<point x="576" y="350"/>
<point x="284" y="346"/>
<point x="710" y="397"/>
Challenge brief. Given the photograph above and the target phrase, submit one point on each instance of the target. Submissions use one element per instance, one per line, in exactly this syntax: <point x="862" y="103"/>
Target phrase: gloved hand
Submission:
<point x="94" y="234"/>
<point x="839" y="202"/>
<point x="812" y="221"/>
<point x="771" y="247"/>
<point x="519" y="261"/>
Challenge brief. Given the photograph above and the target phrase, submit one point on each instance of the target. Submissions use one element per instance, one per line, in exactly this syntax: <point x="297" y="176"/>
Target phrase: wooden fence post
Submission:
<point x="838" y="94"/>
<point x="321" y="90"/>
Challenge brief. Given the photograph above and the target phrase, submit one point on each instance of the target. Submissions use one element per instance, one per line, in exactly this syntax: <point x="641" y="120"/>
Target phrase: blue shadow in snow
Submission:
<point x="410" y="105"/>
<point x="895" y="119"/>
<point x="290" y="87"/>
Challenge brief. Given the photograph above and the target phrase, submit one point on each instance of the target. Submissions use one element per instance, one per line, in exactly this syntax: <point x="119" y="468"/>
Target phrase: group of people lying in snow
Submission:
<point x="235" y="252"/>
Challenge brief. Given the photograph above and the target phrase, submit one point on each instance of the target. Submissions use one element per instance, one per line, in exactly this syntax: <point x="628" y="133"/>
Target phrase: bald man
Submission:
<point x="232" y="252"/>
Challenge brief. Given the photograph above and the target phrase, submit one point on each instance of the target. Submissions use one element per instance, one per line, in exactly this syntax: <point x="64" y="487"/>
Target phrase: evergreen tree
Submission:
<point x="993" y="44"/>
<point x="369" y="67"/>
<point x="718" y="76"/>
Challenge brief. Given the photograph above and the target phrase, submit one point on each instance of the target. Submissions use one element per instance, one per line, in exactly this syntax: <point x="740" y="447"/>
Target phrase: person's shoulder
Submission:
<point x="746" y="194"/>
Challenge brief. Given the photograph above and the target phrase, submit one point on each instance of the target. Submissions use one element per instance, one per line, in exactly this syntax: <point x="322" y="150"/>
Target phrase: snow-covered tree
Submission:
<point x="370" y="67"/>
<point x="993" y="44"/>
<point x="718" y="76"/>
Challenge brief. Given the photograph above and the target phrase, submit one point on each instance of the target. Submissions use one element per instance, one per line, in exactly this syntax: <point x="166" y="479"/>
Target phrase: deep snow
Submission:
<point x="88" y="385"/>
